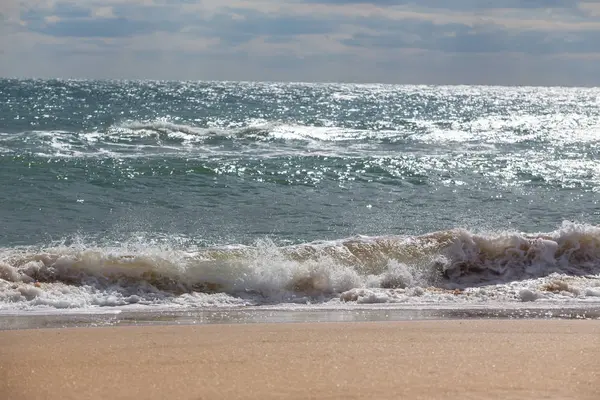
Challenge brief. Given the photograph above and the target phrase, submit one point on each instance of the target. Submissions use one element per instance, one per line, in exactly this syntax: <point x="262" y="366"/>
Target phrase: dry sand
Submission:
<point x="467" y="359"/>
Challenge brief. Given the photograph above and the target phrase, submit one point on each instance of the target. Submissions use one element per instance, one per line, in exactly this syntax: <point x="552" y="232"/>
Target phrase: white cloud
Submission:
<point x="103" y="12"/>
<point x="393" y="41"/>
<point x="52" y="19"/>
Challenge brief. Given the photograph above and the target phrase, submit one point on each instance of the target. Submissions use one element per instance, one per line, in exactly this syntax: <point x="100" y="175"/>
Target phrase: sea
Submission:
<point x="144" y="196"/>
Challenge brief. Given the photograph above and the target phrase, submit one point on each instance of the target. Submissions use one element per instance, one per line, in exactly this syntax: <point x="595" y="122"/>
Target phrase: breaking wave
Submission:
<point x="454" y="261"/>
<point x="254" y="130"/>
<point x="159" y="137"/>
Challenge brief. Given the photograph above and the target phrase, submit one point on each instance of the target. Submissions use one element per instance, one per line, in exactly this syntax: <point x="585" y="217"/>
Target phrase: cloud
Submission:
<point x="67" y="10"/>
<point x="471" y="5"/>
<point x="75" y="21"/>
<point x="461" y="38"/>
<point x="106" y="27"/>
<point x="240" y="25"/>
<point x="387" y="40"/>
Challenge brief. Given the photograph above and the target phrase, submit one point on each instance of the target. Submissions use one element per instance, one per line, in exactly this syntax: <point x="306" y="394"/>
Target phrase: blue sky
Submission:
<point x="506" y="42"/>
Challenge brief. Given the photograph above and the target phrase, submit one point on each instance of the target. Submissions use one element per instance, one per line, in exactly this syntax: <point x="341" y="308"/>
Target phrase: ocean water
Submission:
<point x="140" y="196"/>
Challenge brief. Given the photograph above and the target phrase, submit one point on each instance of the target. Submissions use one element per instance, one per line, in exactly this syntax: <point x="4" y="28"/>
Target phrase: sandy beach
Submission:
<point x="467" y="359"/>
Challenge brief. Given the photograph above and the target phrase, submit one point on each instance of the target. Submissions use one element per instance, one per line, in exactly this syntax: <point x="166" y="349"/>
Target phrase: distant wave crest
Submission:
<point x="250" y="130"/>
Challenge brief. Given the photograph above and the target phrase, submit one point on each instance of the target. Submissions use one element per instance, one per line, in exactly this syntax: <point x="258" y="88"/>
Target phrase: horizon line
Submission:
<point x="299" y="82"/>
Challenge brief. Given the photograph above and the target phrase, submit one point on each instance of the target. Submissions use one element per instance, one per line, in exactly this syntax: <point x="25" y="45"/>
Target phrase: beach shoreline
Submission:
<point x="146" y="317"/>
<point x="478" y="359"/>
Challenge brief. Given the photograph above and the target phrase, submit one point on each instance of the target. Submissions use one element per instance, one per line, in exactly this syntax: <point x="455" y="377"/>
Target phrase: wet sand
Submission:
<point x="466" y="359"/>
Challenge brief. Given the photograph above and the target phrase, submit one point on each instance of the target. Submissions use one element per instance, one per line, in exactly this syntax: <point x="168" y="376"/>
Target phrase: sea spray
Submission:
<point x="441" y="262"/>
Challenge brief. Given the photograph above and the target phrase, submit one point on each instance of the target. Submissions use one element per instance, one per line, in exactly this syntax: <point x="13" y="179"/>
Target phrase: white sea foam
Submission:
<point x="454" y="267"/>
<point x="144" y="138"/>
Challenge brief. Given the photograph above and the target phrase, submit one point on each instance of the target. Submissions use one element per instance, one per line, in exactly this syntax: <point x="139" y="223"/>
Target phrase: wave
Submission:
<point x="253" y="130"/>
<point x="447" y="262"/>
<point x="482" y="134"/>
<point x="134" y="138"/>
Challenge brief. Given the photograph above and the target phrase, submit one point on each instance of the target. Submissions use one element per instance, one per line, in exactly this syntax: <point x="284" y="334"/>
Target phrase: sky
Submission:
<point x="495" y="42"/>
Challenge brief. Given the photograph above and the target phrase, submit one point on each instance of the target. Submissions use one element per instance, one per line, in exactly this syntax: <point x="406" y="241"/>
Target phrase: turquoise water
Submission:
<point x="96" y="172"/>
